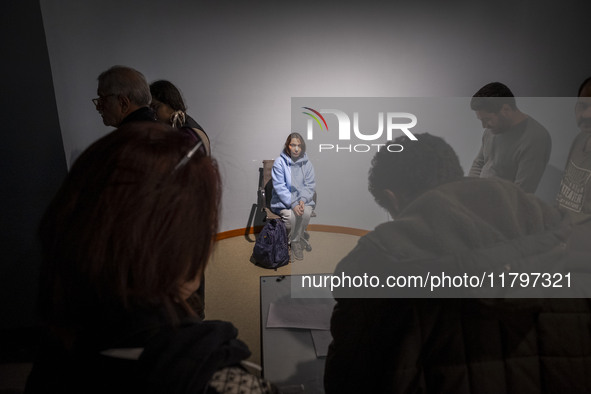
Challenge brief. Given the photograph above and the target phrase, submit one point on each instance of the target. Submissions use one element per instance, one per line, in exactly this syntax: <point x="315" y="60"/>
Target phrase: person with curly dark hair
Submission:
<point x="394" y="184"/>
<point x="394" y="334"/>
<point x="125" y="242"/>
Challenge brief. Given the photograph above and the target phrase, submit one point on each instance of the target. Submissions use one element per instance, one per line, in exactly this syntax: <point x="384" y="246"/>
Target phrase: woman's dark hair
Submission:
<point x="167" y="93"/>
<point x="288" y="141"/>
<point x="419" y="167"/>
<point x="126" y="228"/>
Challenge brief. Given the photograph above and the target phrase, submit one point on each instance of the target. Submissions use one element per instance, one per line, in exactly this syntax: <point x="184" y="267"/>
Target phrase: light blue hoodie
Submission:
<point x="292" y="182"/>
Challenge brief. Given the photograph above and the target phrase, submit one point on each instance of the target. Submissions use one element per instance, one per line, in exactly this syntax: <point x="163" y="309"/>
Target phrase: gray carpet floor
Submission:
<point x="232" y="290"/>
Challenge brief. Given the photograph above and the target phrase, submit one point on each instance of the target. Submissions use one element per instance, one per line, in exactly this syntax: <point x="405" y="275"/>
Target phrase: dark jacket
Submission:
<point x="174" y="359"/>
<point x="500" y="344"/>
<point x="143" y="114"/>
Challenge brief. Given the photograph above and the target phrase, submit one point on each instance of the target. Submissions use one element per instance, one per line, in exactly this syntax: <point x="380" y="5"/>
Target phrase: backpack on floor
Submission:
<point x="270" y="249"/>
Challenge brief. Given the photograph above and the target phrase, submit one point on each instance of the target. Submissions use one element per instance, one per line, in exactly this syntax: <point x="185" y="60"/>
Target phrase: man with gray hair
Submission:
<point x="123" y="96"/>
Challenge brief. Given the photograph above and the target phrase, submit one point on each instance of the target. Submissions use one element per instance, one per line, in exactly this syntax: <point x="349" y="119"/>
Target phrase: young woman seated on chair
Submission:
<point x="294" y="185"/>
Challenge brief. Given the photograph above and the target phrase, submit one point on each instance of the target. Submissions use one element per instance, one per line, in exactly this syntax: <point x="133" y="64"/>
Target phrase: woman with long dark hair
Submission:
<point x="170" y="108"/>
<point x="125" y="242"/>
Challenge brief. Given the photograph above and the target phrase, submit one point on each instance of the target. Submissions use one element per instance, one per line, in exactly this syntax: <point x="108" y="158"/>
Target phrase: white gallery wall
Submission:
<point x="238" y="64"/>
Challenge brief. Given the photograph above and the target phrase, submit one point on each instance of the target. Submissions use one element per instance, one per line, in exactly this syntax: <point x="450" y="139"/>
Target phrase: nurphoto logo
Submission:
<point x="395" y="121"/>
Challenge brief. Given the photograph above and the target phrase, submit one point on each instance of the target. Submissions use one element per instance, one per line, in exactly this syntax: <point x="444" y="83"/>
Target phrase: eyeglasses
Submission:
<point x="100" y="99"/>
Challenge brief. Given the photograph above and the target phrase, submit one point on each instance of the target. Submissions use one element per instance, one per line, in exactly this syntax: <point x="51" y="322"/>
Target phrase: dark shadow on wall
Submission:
<point x="32" y="162"/>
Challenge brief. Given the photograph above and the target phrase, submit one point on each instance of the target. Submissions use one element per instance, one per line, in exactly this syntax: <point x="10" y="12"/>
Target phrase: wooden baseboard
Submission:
<point x="238" y="232"/>
<point x="337" y="229"/>
<point x="312" y="227"/>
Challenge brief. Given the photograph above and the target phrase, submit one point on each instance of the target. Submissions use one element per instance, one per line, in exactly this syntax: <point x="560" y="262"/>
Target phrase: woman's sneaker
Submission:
<point x="296" y="249"/>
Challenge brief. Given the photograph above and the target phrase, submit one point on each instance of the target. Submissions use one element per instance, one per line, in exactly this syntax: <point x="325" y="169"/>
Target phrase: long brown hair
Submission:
<point x="288" y="141"/>
<point x="126" y="227"/>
